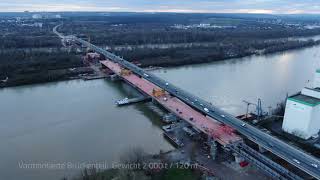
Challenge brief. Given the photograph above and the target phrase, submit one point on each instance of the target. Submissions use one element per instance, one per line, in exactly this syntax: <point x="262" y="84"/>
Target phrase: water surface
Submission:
<point x="227" y="83"/>
<point x="73" y="121"/>
<point x="77" y="121"/>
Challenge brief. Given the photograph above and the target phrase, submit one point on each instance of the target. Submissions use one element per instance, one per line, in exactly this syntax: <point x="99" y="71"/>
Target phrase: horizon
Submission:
<point x="159" y="12"/>
<point x="173" y="6"/>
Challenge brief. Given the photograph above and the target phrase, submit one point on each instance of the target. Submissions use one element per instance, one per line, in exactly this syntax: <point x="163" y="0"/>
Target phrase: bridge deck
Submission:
<point x="223" y="134"/>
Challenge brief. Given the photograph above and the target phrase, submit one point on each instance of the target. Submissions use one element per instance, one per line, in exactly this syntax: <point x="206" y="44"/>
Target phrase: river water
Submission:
<point x="228" y="83"/>
<point x="73" y="122"/>
<point x="76" y="121"/>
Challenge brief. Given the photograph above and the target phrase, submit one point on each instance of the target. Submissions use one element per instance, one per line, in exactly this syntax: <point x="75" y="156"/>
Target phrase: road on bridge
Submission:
<point x="291" y="154"/>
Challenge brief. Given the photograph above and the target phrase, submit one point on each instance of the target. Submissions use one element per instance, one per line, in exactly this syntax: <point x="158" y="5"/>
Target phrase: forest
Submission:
<point x="30" y="52"/>
<point x="191" y="38"/>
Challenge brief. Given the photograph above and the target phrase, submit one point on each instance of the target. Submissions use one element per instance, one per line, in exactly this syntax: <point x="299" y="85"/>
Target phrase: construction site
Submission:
<point x="240" y="141"/>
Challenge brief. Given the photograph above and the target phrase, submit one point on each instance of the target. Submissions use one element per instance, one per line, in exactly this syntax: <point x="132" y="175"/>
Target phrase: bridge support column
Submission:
<point x="262" y="149"/>
<point x="114" y="77"/>
<point x="237" y="158"/>
<point x="213" y="149"/>
<point x="154" y="101"/>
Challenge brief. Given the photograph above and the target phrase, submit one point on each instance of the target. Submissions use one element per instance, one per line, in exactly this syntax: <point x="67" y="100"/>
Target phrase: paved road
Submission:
<point x="57" y="33"/>
<point x="293" y="155"/>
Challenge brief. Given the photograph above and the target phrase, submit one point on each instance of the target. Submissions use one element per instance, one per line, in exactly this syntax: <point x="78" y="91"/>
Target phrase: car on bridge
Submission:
<point x="296" y="161"/>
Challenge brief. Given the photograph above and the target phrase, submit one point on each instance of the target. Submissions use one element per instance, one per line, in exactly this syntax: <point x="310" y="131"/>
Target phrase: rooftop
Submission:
<point x="306" y="100"/>
<point x="314" y="89"/>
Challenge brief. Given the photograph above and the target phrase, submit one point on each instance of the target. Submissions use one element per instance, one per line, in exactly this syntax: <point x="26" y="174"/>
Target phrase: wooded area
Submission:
<point x="30" y="50"/>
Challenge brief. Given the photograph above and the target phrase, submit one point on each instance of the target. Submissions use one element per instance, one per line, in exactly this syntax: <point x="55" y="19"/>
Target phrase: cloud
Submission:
<point x="255" y="11"/>
<point x="207" y="6"/>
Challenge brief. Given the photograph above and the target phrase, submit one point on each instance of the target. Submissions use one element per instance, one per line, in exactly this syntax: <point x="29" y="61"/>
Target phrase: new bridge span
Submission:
<point x="211" y="120"/>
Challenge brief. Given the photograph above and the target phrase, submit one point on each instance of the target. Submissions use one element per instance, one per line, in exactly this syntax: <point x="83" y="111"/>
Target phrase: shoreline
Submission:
<point x="158" y="64"/>
<point x="176" y="63"/>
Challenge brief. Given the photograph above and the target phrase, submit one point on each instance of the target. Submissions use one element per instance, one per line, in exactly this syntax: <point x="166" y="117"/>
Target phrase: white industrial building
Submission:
<point x="316" y="82"/>
<point x="302" y="116"/>
<point x="37" y="16"/>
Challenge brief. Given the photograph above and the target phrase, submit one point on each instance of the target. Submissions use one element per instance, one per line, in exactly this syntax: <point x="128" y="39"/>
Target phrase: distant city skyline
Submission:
<point x="185" y="6"/>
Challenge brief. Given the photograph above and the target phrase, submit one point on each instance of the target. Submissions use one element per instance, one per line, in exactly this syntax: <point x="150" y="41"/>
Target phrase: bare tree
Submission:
<point x="133" y="156"/>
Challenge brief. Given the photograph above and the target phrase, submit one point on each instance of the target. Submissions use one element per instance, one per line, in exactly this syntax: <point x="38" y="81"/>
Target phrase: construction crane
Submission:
<point x="258" y="108"/>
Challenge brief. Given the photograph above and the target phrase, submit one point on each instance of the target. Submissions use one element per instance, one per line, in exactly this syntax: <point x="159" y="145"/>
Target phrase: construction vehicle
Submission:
<point x="125" y="72"/>
<point x="158" y="92"/>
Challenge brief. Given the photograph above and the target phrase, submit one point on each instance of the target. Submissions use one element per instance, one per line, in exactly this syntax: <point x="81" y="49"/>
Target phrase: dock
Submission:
<point x="169" y="128"/>
<point x="127" y="101"/>
<point x="170" y="118"/>
<point x="175" y="141"/>
<point x="87" y="78"/>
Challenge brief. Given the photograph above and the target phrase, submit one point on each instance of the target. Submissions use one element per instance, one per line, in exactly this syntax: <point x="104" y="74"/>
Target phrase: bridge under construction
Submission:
<point x="219" y="126"/>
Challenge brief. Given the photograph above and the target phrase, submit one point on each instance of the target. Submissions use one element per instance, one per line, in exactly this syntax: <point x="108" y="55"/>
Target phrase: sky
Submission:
<point x="188" y="6"/>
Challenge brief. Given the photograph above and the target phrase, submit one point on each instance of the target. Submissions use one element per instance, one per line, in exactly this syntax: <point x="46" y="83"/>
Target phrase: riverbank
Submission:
<point x="206" y="53"/>
<point x="189" y="56"/>
<point x="26" y="66"/>
<point x="191" y="161"/>
<point x="45" y="76"/>
<point x="169" y="174"/>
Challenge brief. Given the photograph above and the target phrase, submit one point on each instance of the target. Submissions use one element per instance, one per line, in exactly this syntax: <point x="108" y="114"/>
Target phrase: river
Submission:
<point x="227" y="84"/>
<point x="77" y="122"/>
<point x="72" y="122"/>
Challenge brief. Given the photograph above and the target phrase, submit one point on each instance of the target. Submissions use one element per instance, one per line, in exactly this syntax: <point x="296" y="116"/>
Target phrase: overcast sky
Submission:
<point x="218" y="6"/>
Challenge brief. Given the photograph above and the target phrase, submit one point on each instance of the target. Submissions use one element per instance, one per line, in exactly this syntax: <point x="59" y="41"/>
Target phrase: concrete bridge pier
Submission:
<point x="115" y="77"/>
<point x="154" y="101"/>
<point x="213" y="149"/>
<point x="237" y="158"/>
<point x="262" y="149"/>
